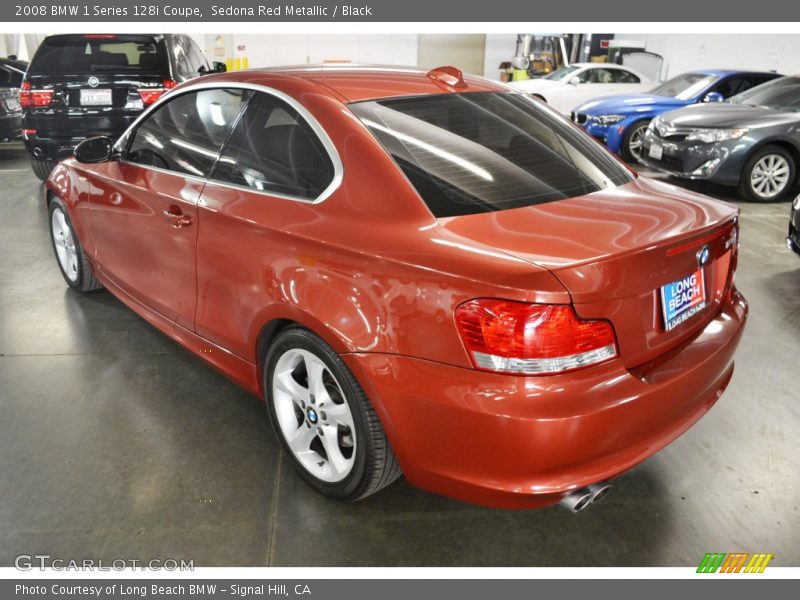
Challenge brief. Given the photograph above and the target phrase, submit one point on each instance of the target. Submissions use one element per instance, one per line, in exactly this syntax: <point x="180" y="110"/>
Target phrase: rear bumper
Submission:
<point x="523" y="442"/>
<point x="56" y="137"/>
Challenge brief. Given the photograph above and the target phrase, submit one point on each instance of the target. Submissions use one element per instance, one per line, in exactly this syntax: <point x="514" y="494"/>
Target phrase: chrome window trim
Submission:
<point x="333" y="154"/>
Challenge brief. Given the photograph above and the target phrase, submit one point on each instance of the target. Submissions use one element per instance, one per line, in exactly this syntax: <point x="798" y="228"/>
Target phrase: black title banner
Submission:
<point x="450" y="11"/>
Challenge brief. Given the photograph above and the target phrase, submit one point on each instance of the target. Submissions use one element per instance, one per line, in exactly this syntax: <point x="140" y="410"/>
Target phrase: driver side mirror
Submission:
<point x="575" y="81"/>
<point x="218" y="67"/>
<point x="94" y="150"/>
<point x="713" y="97"/>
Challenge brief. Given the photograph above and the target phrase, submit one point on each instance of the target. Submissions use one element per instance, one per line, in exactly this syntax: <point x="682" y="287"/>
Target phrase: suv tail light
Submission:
<point x="150" y="95"/>
<point x="29" y="98"/>
<point x="532" y="339"/>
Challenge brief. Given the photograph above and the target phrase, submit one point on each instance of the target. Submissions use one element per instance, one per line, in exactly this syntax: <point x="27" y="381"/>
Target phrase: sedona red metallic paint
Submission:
<point x="372" y="272"/>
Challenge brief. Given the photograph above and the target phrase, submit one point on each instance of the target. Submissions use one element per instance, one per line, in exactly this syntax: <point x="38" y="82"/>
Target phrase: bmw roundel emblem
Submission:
<point x="703" y="255"/>
<point x="93" y="81"/>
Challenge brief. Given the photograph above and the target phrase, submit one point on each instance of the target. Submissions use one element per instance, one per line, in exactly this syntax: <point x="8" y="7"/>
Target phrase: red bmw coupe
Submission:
<point x="420" y="272"/>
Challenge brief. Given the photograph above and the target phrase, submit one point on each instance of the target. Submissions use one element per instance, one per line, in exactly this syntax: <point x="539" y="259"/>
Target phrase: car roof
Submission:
<point x="355" y="83"/>
<point x="723" y="72"/>
<point x="603" y="65"/>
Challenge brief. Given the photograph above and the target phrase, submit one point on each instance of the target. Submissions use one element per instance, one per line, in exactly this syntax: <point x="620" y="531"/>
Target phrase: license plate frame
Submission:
<point x="96" y="97"/>
<point x="655" y="151"/>
<point x="12" y="104"/>
<point x="683" y="299"/>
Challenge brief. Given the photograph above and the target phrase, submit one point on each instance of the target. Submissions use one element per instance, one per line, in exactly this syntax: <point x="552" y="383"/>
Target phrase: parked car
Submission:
<point x="419" y="272"/>
<point x="752" y="141"/>
<point x="11" y="73"/>
<point x="83" y="85"/>
<point x="620" y="121"/>
<point x="793" y="239"/>
<point x="570" y="86"/>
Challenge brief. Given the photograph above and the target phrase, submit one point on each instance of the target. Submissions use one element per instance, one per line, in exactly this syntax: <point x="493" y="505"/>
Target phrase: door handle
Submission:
<point x="176" y="217"/>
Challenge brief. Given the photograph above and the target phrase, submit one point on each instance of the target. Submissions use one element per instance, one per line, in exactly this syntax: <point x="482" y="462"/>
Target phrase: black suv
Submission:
<point x="83" y="85"/>
<point x="11" y="73"/>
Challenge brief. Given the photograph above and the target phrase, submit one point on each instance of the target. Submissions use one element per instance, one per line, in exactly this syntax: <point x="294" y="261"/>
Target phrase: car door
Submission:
<point x="628" y="82"/>
<point x="143" y="206"/>
<point x="592" y="83"/>
<point x="273" y="168"/>
<point x="730" y="86"/>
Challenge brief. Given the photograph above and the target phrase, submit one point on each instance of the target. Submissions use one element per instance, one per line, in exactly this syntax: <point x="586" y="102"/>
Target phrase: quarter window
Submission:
<point x="186" y="134"/>
<point x="273" y="149"/>
<point x="623" y="76"/>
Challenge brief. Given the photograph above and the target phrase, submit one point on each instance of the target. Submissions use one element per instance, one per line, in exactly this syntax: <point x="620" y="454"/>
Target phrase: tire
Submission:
<point x="634" y="134"/>
<point x="43" y="168"/>
<point x="770" y="188"/>
<point x="308" y="389"/>
<point x="71" y="259"/>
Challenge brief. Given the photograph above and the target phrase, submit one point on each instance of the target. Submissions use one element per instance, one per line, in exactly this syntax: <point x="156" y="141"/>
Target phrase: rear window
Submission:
<point x="484" y="151"/>
<point x="98" y="53"/>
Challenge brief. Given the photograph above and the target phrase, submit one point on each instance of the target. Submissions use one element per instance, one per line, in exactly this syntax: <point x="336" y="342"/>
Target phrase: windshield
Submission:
<point x="486" y="151"/>
<point x="778" y="94"/>
<point x="561" y="73"/>
<point x="98" y="53"/>
<point x="686" y="86"/>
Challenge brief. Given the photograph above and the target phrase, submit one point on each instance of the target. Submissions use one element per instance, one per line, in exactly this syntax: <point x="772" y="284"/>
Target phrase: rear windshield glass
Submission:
<point x="486" y="151"/>
<point x="779" y="94"/>
<point x="98" y="53"/>
<point x="686" y="86"/>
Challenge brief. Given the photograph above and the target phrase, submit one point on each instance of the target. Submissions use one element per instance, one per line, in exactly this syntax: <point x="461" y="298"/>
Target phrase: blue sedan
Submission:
<point x="620" y="121"/>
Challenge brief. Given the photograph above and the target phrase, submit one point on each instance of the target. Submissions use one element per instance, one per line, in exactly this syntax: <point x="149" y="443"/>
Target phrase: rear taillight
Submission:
<point x="150" y="95"/>
<point x="29" y="98"/>
<point x="532" y="339"/>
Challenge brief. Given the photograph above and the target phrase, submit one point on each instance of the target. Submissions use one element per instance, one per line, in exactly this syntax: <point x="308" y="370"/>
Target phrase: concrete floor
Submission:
<point x="116" y="443"/>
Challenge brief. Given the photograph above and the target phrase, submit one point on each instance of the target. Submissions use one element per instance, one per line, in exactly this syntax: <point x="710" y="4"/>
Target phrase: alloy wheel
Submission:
<point x="770" y="176"/>
<point x="635" y="142"/>
<point x="313" y="415"/>
<point x="65" y="244"/>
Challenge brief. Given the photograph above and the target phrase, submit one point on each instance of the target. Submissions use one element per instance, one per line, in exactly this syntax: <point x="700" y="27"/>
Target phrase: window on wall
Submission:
<point x="273" y="149"/>
<point x="186" y="134"/>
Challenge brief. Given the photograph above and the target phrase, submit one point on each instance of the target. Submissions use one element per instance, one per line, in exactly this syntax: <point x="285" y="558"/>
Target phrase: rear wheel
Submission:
<point x="324" y="420"/>
<point x="768" y="175"/>
<point x="43" y="168"/>
<point x="632" y="141"/>
<point x="70" y="257"/>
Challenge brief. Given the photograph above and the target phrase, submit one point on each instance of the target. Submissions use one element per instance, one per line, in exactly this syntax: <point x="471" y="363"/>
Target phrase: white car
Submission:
<point x="571" y="86"/>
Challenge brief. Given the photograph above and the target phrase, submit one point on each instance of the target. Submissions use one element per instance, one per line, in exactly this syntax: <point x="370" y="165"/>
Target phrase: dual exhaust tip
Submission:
<point x="578" y="500"/>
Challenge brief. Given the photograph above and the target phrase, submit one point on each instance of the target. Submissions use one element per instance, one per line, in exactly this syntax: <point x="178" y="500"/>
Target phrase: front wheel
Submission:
<point x="70" y="257"/>
<point x="768" y="175"/>
<point x="632" y="141"/>
<point x="324" y="419"/>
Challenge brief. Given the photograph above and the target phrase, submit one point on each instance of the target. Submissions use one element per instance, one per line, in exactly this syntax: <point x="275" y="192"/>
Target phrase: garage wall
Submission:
<point x="692" y="51"/>
<point x="464" y="52"/>
<point x="275" y="50"/>
<point x="500" y="47"/>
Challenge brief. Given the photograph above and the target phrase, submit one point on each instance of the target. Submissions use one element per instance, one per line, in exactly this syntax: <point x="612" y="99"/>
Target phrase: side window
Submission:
<point x="180" y="50"/>
<point x="623" y="76"/>
<point x="197" y="58"/>
<point x="273" y="149"/>
<point x="186" y="134"/>
<point x="597" y="75"/>
<point x="732" y="86"/>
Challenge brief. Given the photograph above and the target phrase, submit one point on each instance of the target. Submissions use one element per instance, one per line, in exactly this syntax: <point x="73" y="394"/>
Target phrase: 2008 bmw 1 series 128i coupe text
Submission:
<point x="421" y="273"/>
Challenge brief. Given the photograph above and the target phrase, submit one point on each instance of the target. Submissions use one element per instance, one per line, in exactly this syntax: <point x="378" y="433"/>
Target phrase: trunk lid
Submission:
<point x="614" y="250"/>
